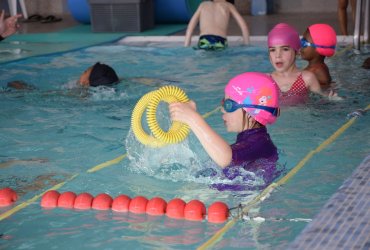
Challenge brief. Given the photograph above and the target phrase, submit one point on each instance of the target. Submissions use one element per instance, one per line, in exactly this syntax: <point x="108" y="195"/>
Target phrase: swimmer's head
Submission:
<point x="284" y="34"/>
<point x="324" y="37"/>
<point x="257" y="89"/>
<point x="98" y="74"/>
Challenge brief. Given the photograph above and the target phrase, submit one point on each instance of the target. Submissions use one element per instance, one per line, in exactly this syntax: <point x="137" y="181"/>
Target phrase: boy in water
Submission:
<point x="213" y="17"/>
<point x="318" y="42"/>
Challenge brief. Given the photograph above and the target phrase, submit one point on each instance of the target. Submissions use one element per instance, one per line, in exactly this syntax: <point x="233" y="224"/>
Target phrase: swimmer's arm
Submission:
<point x="13" y="162"/>
<point x="314" y="86"/>
<point x="216" y="147"/>
<point x="191" y="26"/>
<point x="241" y="22"/>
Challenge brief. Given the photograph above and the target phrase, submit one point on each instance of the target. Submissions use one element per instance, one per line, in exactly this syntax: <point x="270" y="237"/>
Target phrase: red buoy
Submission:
<point x="102" y="202"/>
<point x="138" y="205"/>
<point x="175" y="208"/>
<point x="66" y="200"/>
<point x="83" y="201"/>
<point x="194" y="210"/>
<point x="7" y="197"/>
<point x="156" y="206"/>
<point x="218" y="212"/>
<point x="121" y="203"/>
<point x="50" y="199"/>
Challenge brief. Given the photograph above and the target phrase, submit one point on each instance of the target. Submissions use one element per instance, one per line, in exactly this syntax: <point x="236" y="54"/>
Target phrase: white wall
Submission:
<point x="47" y="7"/>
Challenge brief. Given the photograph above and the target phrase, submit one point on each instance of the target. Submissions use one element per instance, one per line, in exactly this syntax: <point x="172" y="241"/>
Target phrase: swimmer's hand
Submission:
<point x="183" y="111"/>
<point x="333" y="96"/>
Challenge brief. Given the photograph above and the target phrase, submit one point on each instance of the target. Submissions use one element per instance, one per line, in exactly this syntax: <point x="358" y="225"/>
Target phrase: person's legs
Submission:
<point x="342" y="16"/>
<point x="353" y="9"/>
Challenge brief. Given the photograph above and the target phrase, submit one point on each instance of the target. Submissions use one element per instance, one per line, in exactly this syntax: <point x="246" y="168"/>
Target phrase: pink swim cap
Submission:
<point x="325" y="36"/>
<point x="284" y="34"/>
<point x="258" y="89"/>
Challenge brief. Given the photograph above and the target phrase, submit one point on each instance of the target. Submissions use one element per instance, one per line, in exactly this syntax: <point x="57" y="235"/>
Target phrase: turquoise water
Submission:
<point x="67" y="131"/>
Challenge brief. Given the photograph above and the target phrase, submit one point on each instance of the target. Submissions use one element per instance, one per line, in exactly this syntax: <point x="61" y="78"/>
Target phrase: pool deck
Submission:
<point x="343" y="223"/>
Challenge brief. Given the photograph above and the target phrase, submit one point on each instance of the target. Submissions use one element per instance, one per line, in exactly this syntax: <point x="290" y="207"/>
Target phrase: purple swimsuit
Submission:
<point x="254" y="152"/>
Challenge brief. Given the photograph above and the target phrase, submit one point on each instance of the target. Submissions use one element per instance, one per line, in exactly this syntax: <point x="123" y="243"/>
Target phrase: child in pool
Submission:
<point x="250" y="103"/>
<point x="294" y="84"/>
<point x="318" y="42"/>
<point x="97" y="75"/>
<point x="213" y="17"/>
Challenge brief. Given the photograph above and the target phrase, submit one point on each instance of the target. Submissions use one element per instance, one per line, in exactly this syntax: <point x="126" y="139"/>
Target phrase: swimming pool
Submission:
<point x="68" y="131"/>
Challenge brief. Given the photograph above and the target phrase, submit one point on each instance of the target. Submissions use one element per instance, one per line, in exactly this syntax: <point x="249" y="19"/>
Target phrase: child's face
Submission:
<point x="234" y="120"/>
<point x="84" y="78"/>
<point x="282" y="57"/>
<point x="308" y="53"/>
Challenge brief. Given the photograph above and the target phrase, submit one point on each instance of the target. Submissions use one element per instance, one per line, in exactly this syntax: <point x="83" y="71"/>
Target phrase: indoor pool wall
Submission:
<point x="68" y="131"/>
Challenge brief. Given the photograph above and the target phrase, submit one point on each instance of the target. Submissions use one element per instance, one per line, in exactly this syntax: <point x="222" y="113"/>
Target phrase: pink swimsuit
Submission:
<point x="298" y="93"/>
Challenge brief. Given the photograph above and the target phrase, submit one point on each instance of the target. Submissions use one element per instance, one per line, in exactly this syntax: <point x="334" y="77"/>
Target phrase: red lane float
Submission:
<point x="138" y="205"/>
<point x="50" y="199"/>
<point x="7" y="197"/>
<point x="83" y="201"/>
<point x="66" y="199"/>
<point x="218" y="212"/>
<point x="102" y="202"/>
<point x="175" y="208"/>
<point x="156" y="206"/>
<point x="195" y="210"/>
<point x="121" y="203"/>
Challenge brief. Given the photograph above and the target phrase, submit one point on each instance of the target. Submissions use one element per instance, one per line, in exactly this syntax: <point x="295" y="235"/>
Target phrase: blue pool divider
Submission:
<point x="166" y="11"/>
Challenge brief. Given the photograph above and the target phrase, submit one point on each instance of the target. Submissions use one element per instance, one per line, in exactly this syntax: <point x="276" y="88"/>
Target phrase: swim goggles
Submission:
<point x="305" y="43"/>
<point x="230" y="106"/>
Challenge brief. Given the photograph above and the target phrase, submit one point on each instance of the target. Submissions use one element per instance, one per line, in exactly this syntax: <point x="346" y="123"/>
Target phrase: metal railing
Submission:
<point x="362" y="14"/>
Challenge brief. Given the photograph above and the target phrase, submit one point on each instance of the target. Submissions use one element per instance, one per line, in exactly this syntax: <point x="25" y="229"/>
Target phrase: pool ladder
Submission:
<point x="362" y="17"/>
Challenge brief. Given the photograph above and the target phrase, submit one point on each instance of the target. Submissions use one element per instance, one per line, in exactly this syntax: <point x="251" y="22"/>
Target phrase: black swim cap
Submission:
<point x="102" y="74"/>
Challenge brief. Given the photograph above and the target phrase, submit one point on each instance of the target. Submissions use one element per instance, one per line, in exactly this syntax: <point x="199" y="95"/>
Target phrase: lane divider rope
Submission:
<point x="91" y="170"/>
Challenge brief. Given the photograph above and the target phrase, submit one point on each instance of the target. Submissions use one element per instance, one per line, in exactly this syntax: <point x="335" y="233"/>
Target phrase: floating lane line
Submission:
<point x="33" y="199"/>
<point x="59" y="185"/>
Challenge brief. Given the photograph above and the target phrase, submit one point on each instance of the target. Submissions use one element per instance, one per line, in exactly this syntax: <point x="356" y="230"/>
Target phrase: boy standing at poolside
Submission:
<point x="213" y="17"/>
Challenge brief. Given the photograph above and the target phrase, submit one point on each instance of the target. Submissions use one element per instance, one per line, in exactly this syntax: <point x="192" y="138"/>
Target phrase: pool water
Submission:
<point x="57" y="130"/>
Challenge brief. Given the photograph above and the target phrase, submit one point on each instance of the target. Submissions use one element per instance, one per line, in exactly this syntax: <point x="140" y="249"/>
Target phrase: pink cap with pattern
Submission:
<point x="258" y="89"/>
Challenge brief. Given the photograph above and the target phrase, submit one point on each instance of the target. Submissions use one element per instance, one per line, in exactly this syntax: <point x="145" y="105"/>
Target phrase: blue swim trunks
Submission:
<point x="212" y="42"/>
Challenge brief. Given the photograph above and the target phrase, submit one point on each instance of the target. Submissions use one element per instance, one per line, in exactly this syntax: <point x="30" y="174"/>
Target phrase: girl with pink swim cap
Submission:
<point x="250" y="103"/>
<point x="318" y="42"/>
<point x="294" y="84"/>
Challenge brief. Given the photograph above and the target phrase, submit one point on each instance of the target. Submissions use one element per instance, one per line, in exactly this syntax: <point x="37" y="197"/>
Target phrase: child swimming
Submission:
<point x="249" y="104"/>
<point x="97" y="75"/>
<point x="294" y="84"/>
<point x="318" y="42"/>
